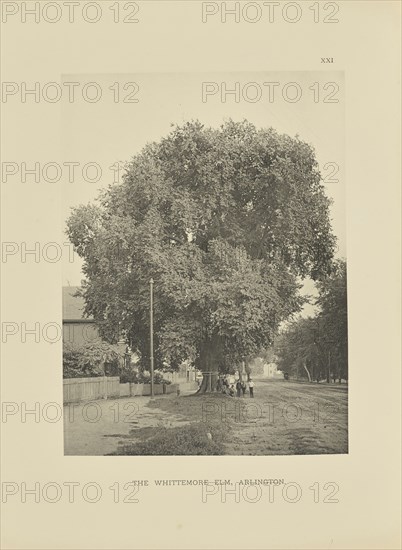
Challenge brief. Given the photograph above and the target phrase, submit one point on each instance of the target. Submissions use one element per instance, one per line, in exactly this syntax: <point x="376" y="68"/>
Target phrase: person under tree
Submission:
<point x="251" y="387"/>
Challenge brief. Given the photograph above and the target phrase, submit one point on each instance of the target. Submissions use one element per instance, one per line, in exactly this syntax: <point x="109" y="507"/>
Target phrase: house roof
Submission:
<point x="73" y="306"/>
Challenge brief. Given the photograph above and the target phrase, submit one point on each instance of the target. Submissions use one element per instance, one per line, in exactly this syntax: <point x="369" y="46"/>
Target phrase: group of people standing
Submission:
<point x="238" y="387"/>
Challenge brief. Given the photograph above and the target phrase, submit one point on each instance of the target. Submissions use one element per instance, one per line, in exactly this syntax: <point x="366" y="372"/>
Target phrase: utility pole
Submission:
<point x="104" y="378"/>
<point x="151" y="332"/>
<point x="329" y="367"/>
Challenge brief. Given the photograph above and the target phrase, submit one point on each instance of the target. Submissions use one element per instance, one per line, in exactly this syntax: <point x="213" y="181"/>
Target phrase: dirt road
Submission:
<point x="293" y="418"/>
<point x="98" y="427"/>
<point x="284" y="418"/>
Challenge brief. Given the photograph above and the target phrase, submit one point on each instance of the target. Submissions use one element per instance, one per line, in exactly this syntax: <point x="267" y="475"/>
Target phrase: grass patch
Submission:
<point x="197" y="438"/>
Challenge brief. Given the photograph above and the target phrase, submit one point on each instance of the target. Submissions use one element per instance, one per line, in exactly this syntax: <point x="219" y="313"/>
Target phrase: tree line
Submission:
<point x="316" y="348"/>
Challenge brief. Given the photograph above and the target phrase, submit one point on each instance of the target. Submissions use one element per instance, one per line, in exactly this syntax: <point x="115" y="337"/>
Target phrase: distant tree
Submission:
<point x="297" y="350"/>
<point x="226" y="221"/>
<point x="317" y="347"/>
<point x="333" y="319"/>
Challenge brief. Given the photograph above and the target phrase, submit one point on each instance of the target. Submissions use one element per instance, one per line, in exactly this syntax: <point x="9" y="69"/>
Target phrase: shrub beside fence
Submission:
<point x="131" y="390"/>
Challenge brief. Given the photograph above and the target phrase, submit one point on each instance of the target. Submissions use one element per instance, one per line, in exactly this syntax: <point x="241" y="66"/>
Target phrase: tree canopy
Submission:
<point x="226" y="221"/>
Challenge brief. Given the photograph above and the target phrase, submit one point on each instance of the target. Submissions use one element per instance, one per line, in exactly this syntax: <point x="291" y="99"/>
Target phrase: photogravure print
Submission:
<point x="209" y="277"/>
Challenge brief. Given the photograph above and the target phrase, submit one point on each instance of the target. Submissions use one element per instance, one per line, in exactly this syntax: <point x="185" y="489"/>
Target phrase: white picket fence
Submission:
<point x="90" y="389"/>
<point x="76" y="390"/>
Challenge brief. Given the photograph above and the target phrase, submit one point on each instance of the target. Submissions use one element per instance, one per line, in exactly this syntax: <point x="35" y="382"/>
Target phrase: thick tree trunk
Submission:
<point x="209" y="361"/>
<point x="209" y="382"/>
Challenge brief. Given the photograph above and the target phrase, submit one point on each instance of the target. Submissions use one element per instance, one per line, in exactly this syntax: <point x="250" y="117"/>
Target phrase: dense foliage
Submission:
<point x="226" y="221"/>
<point x="142" y="376"/>
<point x="100" y="359"/>
<point x="317" y="347"/>
<point x="91" y="359"/>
